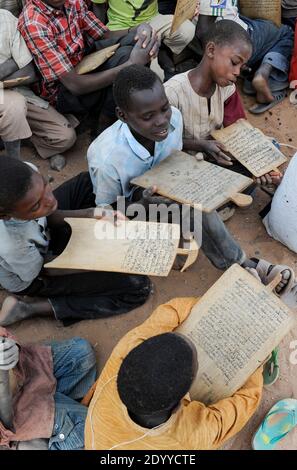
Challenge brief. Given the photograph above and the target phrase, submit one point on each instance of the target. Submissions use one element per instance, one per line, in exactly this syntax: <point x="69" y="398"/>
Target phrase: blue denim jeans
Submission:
<point x="271" y="45"/>
<point x="75" y="371"/>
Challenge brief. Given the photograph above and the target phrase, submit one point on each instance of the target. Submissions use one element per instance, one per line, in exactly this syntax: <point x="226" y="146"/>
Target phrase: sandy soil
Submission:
<point x="246" y="227"/>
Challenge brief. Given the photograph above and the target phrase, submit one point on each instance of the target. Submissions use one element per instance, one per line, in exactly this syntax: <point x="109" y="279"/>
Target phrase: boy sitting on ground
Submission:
<point x="32" y="230"/>
<point x="207" y="95"/>
<point x="147" y="132"/>
<point x="272" y="48"/>
<point x="141" y="399"/>
<point x="122" y="14"/>
<point x="59" y="34"/>
<point x="24" y="115"/>
<point x="46" y="384"/>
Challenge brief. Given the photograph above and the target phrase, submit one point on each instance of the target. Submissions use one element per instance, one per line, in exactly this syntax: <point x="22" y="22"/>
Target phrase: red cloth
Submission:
<point x="33" y="401"/>
<point x="57" y="39"/>
<point x="293" y="68"/>
<point x="233" y="109"/>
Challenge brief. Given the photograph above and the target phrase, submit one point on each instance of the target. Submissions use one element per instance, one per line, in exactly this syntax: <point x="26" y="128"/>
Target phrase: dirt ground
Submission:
<point x="245" y="226"/>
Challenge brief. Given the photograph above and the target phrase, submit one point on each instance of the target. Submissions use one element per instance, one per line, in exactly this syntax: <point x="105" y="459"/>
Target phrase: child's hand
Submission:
<point x="144" y="32"/>
<point x="273" y="177"/>
<point x="141" y="54"/>
<point x="109" y="215"/>
<point x="215" y="150"/>
<point x="149" y="198"/>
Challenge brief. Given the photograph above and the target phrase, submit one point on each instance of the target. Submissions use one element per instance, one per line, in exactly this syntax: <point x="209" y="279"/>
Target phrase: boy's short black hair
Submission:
<point x="15" y="181"/>
<point x="130" y="79"/>
<point x="226" y="33"/>
<point x="157" y="374"/>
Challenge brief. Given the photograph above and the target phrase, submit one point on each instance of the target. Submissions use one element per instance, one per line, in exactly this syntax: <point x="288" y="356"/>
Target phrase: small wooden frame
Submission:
<point x="94" y="60"/>
<point x="201" y="184"/>
<point x="234" y="326"/>
<point x="133" y="247"/>
<point x="184" y="10"/>
<point x="250" y="147"/>
<point x="14" y="82"/>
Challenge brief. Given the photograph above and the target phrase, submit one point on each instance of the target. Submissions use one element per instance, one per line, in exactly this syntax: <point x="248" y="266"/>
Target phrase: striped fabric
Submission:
<point x="206" y="7"/>
<point x="57" y="39"/>
<point x="228" y="12"/>
<point x="198" y="121"/>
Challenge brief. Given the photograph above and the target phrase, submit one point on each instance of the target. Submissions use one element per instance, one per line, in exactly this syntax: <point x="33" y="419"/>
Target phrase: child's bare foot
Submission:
<point x="14" y="310"/>
<point x="261" y="85"/>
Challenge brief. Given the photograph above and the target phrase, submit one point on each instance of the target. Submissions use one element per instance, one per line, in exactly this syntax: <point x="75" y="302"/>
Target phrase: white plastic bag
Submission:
<point x="281" y="221"/>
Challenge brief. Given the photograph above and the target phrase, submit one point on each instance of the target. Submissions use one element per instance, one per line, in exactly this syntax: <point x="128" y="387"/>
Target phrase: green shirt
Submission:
<point x="123" y="14"/>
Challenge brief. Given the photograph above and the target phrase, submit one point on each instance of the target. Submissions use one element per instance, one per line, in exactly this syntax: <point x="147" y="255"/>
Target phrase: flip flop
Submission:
<point x="248" y="88"/>
<point x="260" y="108"/>
<point x="280" y="420"/>
<point x="267" y="274"/>
<point x="271" y="368"/>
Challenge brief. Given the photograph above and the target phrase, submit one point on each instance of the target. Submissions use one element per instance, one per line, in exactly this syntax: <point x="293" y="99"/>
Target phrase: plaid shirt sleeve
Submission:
<point x="51" y="60"/>
<point x="92" y="27"/>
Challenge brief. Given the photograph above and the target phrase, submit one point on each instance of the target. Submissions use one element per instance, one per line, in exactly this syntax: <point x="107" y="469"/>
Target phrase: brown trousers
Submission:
<point x="50" y="131"/>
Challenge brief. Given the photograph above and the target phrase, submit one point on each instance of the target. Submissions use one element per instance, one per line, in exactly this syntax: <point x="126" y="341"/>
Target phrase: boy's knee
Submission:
<point x="67" y="138"/>
<point x="84" y="350"/>
<point x="15" y="107"/>
<point x="186" y="32"/>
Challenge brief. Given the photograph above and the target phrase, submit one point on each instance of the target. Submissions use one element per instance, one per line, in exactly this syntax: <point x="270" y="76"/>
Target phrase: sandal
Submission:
<point x="260" y="108"/>
<point x="280" y="420"/>
<point x="271" y="368"/>
<point x="289" y="293"/>
<point x="268" y="271"/>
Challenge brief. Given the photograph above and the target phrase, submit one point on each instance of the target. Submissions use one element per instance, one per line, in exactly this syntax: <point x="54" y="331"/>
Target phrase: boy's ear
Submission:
<point x="121" y="114"/>
<point x="210" y="49"/>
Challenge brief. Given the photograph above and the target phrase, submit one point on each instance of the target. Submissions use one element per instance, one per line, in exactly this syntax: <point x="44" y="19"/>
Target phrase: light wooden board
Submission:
<point x="184" y="10"/>
<point x="263" y="9"/>
<point x="201" y="184"/>
<point x="234" y="326"/>
<point x="250" y="147"/>
<point x="14" y="82"/>
<point x="94" y="60"/>
<point x="131" y="247"/>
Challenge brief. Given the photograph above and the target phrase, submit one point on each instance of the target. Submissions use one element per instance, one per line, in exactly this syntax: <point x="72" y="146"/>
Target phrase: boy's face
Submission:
<point x="39" y="200"/>
<point x="149" y="113"/>
<point x="226" y="61"/>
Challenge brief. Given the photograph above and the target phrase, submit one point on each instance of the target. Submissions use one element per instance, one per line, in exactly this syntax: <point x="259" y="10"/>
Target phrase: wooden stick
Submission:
<point x="275" y="281"/>
<point x="242" y="200"/>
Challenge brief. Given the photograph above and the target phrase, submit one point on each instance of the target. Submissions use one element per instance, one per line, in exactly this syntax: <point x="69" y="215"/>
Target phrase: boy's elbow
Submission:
<point x="72" y="85"/>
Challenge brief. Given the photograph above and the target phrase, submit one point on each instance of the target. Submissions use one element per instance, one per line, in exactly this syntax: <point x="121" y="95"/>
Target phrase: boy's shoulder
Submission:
<point x="10" y="234"/>
<point x="177" y="80"/>
<point x="17" y="235"/>
<point x="109" y="145"/>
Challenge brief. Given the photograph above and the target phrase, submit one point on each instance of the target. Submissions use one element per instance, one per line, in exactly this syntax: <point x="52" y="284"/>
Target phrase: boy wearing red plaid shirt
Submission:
<point x="59" y="33"/>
